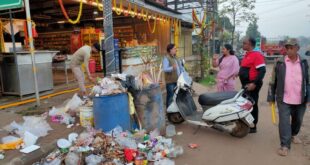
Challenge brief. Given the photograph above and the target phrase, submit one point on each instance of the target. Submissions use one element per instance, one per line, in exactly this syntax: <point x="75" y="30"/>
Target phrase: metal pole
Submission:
<point x="34" y="70"/>
<point x="109" y="37"/>
<point x="12" y="33"/>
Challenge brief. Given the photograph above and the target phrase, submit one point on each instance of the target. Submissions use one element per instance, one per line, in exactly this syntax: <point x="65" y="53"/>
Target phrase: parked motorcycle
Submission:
<point x="225" y="111"/>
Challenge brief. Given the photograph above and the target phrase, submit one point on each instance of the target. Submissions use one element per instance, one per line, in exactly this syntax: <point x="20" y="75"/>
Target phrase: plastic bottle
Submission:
<point x="170" y="130"/>
<point x="175" y="151"/>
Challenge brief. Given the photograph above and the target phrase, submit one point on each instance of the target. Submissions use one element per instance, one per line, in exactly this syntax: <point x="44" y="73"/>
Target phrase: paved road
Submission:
<point x="219" y="148"/>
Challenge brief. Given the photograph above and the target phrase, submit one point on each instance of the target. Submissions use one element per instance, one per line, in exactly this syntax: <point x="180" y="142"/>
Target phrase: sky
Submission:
<point x="279" y="18"/>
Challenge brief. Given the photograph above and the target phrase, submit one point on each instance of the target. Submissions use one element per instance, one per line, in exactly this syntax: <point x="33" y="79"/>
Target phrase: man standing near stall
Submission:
<point x="172" y="69"/>
<point x="251" y="74"/>
<point x="82" y="55"/>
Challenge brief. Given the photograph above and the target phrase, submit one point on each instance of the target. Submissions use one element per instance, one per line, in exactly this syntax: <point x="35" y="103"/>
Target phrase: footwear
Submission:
<point x="296" y="140"/>
<point x="283" y="151"/>
<point x="253" y="130"/>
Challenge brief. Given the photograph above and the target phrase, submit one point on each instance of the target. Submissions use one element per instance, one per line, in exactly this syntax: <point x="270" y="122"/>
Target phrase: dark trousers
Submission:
<point x="255" y="95"/>
<point x="290" y="120"/>
<point x="170" y="91"/>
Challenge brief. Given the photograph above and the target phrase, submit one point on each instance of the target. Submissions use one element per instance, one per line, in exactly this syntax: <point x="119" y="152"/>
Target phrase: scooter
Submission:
<point x="225" y="111"/>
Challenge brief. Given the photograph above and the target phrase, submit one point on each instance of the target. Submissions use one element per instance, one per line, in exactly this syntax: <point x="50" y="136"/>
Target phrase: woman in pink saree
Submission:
<point x="229" y="68"/>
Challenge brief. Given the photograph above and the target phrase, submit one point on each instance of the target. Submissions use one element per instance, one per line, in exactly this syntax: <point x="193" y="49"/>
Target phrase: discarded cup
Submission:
<point x="170" y="130"/>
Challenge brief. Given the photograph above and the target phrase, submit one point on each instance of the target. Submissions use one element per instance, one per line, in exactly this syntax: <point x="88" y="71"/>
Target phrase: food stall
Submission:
<point x="16" y="71"/>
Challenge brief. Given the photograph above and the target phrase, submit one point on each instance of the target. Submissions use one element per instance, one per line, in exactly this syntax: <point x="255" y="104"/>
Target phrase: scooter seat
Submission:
<point x="211" y="99"/>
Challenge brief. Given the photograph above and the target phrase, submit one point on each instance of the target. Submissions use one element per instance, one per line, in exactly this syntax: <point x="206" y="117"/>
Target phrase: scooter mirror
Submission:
<point x="183" y="61"/>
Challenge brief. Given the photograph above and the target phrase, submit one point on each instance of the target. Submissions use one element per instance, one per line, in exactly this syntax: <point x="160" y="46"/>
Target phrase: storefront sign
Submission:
<point x="10" y="4"/>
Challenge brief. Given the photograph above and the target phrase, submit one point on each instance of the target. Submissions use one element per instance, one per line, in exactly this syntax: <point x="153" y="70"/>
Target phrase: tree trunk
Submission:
<point x="234" y="28"/>
<point x="232" y="36"/>
<point x="202" y="59"/>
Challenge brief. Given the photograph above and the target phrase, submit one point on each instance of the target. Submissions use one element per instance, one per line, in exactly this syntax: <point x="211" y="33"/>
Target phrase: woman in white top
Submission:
<point x="82" y="55"/>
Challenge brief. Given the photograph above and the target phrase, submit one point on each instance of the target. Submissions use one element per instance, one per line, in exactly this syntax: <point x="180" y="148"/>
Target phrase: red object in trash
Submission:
<point x="92" y="65"/>
<point x="130" y="154"/>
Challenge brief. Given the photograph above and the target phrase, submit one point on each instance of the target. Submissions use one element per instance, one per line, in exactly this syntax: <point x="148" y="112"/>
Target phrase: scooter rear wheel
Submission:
<point x="175" y="118"/>
<point x="241" y="129"/>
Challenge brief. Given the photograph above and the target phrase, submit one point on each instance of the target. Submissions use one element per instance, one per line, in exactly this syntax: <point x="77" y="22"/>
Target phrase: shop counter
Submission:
<point x="17" y="75"/>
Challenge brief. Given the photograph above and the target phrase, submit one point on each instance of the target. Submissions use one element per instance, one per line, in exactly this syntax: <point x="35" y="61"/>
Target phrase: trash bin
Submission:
<point x="150" y="109"/>
<point x="111" y="111"/>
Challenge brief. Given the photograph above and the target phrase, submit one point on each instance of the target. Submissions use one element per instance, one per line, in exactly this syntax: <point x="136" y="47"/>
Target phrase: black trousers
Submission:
<point x="255" y="95"/>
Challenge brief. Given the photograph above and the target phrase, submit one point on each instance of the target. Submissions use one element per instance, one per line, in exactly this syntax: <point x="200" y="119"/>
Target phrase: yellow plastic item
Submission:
<point x="12" y="145"/>
<point x="86" y="116"/>
<point x="273" y="112"/>
<point x="132" y="108"/>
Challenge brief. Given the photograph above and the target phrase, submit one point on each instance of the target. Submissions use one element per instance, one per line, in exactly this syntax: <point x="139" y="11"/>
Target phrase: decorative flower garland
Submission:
<point x="119" y="9"/>
<point x="66" y="15"/>
<point x="152" y="30"/>
<point x="100" y="8"/>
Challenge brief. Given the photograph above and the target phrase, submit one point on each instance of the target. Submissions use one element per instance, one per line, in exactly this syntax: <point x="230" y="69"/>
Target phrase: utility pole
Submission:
<point x="108" y="37"/>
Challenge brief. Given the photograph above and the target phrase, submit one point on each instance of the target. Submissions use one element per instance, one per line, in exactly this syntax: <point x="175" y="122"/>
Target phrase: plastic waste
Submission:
<point x="29" y="139"/>
<point x="56" y="161"/>
<point x="9" y="139"/>
<point x="64" y="144"/>
<point x="154" y="133"/>
<point x="72" y="137"/>
<point x="35" y="125"/>
<point x="72" y="159"/>
<point x="170" y="130"/>
<point x="115" y="132"/>
<point x="164" y="162"/>
<point x="94" y="159"/>
<point x="126" y="142"/>
<point x="1" y="156"/>
<point x="74" y="103"/>
<point x="175" y="152"/>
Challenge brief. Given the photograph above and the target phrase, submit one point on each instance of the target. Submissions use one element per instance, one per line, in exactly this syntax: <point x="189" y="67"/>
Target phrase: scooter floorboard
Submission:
<point x="195" y="116"/>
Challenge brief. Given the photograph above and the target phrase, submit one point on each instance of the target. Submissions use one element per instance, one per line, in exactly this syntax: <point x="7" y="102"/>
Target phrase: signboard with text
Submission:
<point x="10" y="4"/>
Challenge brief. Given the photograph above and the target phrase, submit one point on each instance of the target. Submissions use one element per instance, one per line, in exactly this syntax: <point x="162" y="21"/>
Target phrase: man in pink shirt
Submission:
<point x="289" y="86"/>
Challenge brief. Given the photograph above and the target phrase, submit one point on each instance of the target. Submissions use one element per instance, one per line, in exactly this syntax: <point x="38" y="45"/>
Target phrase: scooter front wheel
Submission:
<point x="241" y="129"/>
<point x="175" y="118"/>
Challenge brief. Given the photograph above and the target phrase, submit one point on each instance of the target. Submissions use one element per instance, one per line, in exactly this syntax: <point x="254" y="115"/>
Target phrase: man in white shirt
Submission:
<point x="82" y="55"/>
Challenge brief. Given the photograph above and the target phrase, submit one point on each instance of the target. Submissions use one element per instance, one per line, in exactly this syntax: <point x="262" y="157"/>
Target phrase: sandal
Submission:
<point x="283" y="151"/>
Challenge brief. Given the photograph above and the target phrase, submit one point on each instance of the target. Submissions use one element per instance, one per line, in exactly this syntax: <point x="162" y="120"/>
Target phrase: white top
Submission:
<point x="81" y="55"/>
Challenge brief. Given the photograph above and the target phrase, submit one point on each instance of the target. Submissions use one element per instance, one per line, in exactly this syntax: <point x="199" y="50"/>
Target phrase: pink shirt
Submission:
<point x="293" y="82"/>
<point x="229" y="68"/>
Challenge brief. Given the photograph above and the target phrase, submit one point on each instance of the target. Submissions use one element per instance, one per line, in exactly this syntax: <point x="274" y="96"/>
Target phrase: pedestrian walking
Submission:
<point x="289" y="87"/>
<point x="82" y="55"/>
<point x="251" y="74"/>
<point x="228" y="65"/>
<point x="172" y="68"/>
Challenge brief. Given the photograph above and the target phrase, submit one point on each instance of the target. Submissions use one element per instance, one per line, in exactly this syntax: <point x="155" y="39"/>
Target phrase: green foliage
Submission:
<point x="209" y="80"/>
<point x="252" y="30"/>
<point x="238" y="11"/>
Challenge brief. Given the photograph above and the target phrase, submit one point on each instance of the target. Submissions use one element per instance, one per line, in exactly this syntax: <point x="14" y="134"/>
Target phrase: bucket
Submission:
<point x="111" y="111"/>
<point x="150" y="109"/>
<point x="86" y="116"/>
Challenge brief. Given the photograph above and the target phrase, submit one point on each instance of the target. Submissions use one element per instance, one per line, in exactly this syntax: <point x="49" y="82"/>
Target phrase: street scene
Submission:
<point x="159" y="82"/>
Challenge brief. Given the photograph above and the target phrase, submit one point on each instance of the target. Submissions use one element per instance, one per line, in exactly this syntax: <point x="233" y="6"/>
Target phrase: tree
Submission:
<point x="252" y="30"/>
<point x="238" y="11"/>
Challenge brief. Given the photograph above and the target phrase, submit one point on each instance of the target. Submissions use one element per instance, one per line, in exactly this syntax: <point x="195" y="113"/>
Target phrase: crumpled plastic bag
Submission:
<point x="35" y="125"/>
<point x="74" y="103"/>
<point x="64" y="117"/>
<point x="94" y="159"/>
<point x="72" y="159"/>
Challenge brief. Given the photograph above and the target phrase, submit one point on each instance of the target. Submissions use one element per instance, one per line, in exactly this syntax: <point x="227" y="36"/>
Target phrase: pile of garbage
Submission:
<point x="107" y="86"/>
<point x="116" y="147"/>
